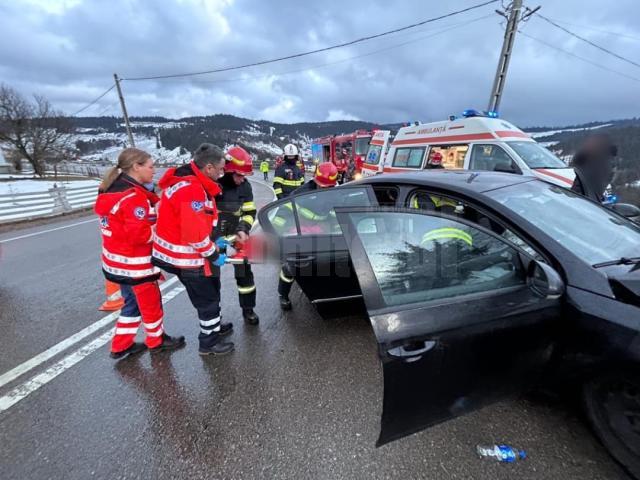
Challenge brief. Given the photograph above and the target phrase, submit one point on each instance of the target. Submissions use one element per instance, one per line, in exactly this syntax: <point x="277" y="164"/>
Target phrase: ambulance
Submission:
<point x="476" y="141"/>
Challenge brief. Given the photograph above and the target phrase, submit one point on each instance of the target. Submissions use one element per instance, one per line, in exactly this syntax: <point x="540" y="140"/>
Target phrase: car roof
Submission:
<point x="469" y="180"/>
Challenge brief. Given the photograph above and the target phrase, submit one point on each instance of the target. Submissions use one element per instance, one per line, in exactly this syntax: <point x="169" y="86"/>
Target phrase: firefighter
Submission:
<point x="127" y="216"/>
<point x="326" y="176"/>
<point x="237" y="213"/>
<point x="185" y="243"/>
<point x="264" y="168"/>
<point x="288" y="176"/>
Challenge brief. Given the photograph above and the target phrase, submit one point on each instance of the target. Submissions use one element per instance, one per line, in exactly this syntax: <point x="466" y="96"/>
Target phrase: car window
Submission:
<point x="408" y="157"/>
<point x="373" y="155"/>
<point x="439" y="203"/>
<point x="282" y="219"/>
<point x="490" y="157"/>
<point x="536" y="156"/>
<point x="418" y="258"/>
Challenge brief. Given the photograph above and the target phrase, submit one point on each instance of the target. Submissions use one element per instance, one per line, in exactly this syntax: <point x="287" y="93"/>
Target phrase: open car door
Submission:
<point x="461" y="316"/>
<point x="311" y="241"/>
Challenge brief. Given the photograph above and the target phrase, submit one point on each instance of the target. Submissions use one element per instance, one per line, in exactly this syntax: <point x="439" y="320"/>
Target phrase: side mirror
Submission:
<point x="544" y="280"/>
<point x="626" y="210"/>
<point x="505" y="168"/>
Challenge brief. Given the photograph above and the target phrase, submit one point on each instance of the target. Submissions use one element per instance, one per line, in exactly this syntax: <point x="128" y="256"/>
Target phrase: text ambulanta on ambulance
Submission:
<point x="474" y="142"/>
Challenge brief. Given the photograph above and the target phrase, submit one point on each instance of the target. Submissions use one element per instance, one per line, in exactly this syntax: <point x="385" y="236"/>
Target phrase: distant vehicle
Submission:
<point x="478" y="285"/>
<point x="344" y="151"/>
<point x="477" y="141"/>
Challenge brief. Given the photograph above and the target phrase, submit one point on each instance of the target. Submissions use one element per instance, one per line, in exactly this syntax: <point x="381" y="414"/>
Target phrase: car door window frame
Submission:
<point x="492" y="217"/>
<point x="269" y="228"/>
<point x="370" y="284"/>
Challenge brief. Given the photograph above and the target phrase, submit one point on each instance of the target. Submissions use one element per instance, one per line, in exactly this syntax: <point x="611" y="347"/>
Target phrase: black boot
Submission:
<point x="285" y="303"/>
<point x="250" y="316"/>
<point x="218" y="348"/>
<point x="132" y="350"/>
<point x="168" y="343"/>
<point x="225" y="329"/>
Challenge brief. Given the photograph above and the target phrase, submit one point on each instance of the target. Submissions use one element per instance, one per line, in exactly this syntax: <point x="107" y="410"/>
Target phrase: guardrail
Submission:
<point x="55" y="201"/>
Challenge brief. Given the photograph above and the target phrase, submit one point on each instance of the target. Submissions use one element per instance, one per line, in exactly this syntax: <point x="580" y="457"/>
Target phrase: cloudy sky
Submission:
<point x="68" y="50"/>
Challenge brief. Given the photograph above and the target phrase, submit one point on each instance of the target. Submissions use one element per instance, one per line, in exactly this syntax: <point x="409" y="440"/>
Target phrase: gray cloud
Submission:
<point x="68" y="50"/>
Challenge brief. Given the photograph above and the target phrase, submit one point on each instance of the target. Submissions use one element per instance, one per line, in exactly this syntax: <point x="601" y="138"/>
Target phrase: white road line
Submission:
<point x="261" y="182"/>
<point x="73" y="339"/>
<point x="47" y="231"/>
<point x="25" y="389"/>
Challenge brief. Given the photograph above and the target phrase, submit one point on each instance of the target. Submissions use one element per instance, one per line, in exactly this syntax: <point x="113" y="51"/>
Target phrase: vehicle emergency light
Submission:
<point x="492" y="114"/>
<point x="471" y="112"/>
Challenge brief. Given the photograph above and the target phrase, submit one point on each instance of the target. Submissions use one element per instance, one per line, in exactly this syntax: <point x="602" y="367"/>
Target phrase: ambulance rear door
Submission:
<point x="375" y="157"/>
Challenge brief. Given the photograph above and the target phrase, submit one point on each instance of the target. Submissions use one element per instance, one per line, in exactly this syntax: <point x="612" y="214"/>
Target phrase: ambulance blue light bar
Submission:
<point x="472" y="112"/>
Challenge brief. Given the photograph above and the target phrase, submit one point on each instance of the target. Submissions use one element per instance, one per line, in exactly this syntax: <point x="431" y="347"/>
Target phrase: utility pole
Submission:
<point x="124" y="110"/>
<point x="505" y="55"/>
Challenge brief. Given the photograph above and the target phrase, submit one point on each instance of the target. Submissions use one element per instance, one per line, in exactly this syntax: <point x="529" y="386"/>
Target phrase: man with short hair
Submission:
<point x="184" y="243"/>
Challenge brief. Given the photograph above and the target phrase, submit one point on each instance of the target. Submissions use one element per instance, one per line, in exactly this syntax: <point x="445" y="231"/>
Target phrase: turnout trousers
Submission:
<point x="286" y="280"/>
<point x="142" y="304"/>
<point x="246" y="286"/>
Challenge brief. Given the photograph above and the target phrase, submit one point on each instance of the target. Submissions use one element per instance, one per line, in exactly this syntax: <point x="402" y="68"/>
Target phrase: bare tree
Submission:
<point x="33" y="131"/>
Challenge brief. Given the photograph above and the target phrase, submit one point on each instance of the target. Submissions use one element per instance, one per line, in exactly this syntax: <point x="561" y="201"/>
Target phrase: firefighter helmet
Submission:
<point x="290" y="150"/>
<point x="326" y="175"/>
<point x="238" y="161"/>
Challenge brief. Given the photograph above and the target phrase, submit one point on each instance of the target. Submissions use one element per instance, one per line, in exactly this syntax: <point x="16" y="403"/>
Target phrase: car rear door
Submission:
<point x="457" y="323"/>
<point x="311" y="241"/>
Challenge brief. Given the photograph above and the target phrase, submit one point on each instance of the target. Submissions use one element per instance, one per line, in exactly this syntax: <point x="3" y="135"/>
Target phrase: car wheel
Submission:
<point x="612" y="405"/>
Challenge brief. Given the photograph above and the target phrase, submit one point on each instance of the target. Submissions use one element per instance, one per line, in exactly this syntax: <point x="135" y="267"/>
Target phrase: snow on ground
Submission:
<point x="553" y="132"/>
<point x="37" y="186"/>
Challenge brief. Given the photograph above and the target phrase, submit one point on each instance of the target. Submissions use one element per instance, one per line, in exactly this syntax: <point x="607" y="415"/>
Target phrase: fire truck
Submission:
<point x="345" y="151"/>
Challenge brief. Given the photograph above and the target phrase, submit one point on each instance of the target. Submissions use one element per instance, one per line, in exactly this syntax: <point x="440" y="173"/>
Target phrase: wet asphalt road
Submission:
<point x="299" y="398"/>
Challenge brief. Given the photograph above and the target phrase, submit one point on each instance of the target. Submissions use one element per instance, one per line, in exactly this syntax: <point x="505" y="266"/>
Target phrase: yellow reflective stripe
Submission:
<point x="414" y="202"/>
<point x="448" y="233"/>
<point x="306" y="213"/>
<point x="292" y="183"/>
<point x="284" y="278"/>
<point x="441" y="201"/>
<point x="246" y="206"/>
<point x="278" y="179"/>
<point x="248" y="219"/>
<point x="245" y="290"/>
<point x="277" y="191"/>
<point x="279" y="221"/>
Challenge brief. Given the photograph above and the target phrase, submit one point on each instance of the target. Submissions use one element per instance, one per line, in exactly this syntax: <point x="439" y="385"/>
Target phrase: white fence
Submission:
<point x="55" y="201"/>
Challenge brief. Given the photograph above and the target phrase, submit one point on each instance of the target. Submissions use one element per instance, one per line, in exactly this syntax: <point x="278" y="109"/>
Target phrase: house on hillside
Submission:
<point x="4" y="166"/>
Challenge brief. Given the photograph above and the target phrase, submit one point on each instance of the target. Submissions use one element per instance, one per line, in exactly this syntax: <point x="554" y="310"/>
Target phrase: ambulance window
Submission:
<point x="373" y="155"/>
<point x="452" y="155"/>
<point x="492" y="158"/>
<point x="409" y="157"/>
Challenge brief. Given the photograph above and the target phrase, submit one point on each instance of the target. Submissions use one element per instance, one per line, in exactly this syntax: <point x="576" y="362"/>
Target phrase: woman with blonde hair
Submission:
<point x="127" y="216"/>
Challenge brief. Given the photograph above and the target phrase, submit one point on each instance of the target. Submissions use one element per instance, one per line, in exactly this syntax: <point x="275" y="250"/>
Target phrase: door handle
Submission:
<point x="300" y="260"/>
<point x="413" y="351"/>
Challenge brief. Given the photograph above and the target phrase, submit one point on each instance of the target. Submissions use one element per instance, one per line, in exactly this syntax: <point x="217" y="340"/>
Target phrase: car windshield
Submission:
<point x="590" y="231"/>
<point x="536" y="156"/>
<point x="361" y="145"/>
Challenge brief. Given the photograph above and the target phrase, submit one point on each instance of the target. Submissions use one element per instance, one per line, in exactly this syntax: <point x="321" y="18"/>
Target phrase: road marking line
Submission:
<point x="63" y="345"/>
<point x="47" y="231"/>
<point x="275" y="197"/>
<point x="22" y="391"/>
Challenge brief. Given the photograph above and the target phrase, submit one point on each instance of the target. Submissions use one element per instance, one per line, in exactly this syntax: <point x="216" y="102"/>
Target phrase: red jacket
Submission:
<point x="127" y="216"/>
<point x="187" y="215"/>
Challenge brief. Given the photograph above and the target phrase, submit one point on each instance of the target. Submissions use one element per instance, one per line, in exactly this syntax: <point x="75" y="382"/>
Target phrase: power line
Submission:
<point x="608" y="32"/>
<point x="95" y="100"/>
<point x="325" y="49"/>
<point x="589" y="41"/>
<point x="374" y="52"/>
<point x="596" y="64"/>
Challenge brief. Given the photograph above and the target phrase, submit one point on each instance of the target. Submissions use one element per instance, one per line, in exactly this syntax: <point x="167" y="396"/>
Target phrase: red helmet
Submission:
<point x="435" y="158"/>
<point x="326" y="175"/>
<point x="238" y="161"/>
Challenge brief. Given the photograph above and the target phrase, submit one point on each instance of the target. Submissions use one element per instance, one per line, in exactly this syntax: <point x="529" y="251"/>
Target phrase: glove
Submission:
<point x="218" y="262"/>
<point x="221" y="243"/>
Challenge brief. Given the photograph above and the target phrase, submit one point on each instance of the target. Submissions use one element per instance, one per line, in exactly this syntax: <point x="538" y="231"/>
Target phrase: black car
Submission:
<point x="478" y="285"/>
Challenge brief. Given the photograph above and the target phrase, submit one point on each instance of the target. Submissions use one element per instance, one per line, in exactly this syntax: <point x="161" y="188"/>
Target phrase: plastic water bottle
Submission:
<point x="501" y="453"/>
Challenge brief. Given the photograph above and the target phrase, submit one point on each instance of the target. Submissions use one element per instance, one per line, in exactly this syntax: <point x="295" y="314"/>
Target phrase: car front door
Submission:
<point x="462" y="317"/>
<point x="311" y="241"/>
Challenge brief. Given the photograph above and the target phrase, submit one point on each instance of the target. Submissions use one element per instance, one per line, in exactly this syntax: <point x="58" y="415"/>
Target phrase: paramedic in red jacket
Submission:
<point x="184" y="243"/>
<point x="127" y="216"/>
